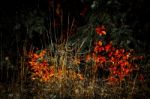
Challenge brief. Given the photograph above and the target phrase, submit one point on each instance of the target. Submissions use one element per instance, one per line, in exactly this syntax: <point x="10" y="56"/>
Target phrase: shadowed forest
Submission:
<point x="66" y="49"/>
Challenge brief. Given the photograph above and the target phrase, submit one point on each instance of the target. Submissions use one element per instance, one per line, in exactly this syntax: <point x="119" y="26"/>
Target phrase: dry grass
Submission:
<point x="68" y="80"/>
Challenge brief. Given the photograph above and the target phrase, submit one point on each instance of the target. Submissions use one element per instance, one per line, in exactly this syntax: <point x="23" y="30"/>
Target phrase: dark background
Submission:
<point x="138" y="11"/>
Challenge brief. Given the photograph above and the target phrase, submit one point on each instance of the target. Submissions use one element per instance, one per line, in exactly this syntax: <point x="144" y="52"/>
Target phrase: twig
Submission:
<point x="134" y="84"/>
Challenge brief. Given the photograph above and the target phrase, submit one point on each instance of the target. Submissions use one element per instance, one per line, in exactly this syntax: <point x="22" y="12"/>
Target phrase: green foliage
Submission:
<point x="113" y="16"/>
<point x="32" y="21"/>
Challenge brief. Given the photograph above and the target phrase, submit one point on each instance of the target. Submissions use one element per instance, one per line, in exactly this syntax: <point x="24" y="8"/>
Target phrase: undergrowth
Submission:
<point x="92" y="61"/>
<point x="104" y="71"/>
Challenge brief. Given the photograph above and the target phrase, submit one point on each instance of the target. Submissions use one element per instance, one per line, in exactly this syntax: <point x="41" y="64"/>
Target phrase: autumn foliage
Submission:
<point x="118" y="61"/>
<point x="43" y="69"/>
